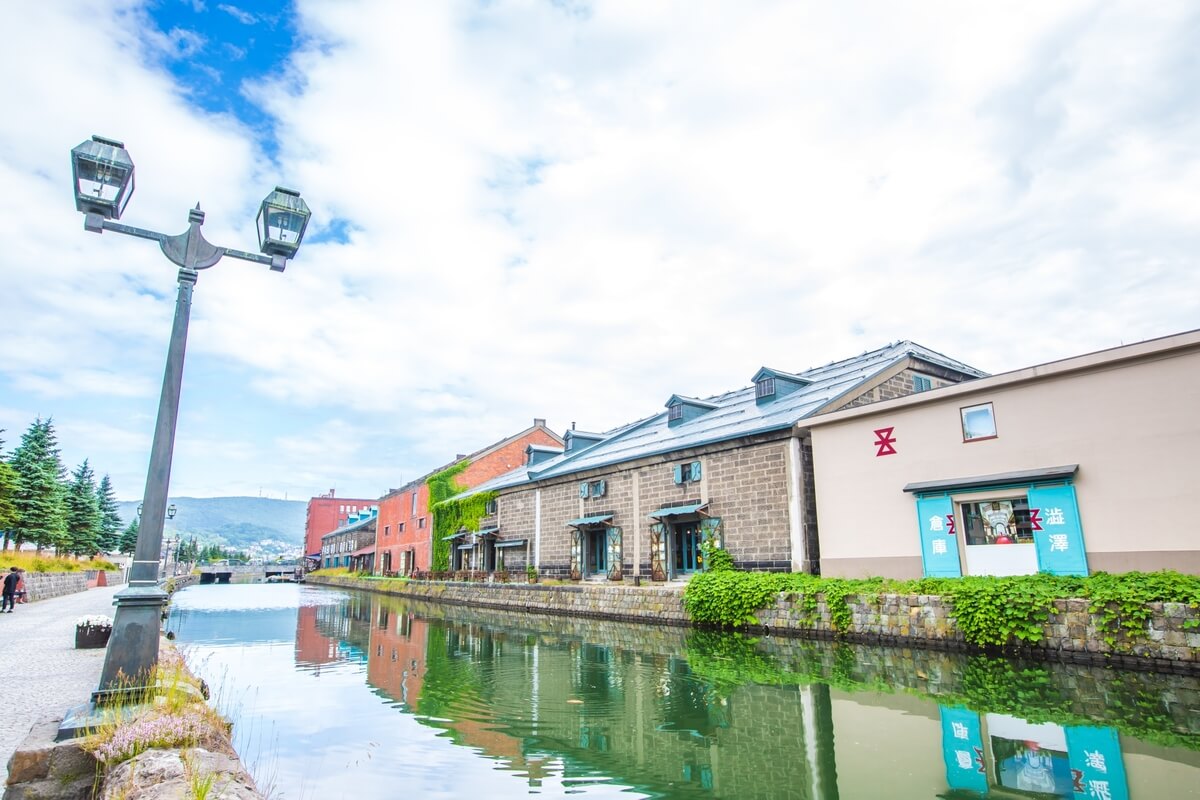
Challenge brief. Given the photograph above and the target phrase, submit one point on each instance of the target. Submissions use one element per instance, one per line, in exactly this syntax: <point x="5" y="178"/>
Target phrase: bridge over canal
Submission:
<point x="239" y="573"/>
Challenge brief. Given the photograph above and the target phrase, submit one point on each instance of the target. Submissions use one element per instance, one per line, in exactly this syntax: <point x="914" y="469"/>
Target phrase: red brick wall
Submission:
<point x="326" y="514"/>
<point x="396" y="508"/>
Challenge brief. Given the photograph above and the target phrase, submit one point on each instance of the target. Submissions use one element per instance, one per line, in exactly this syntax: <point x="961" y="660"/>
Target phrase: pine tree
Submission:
<point x="129" y="538"/>
<point x="83" y="513"/>
<point x="39" y="495"/>
<point x="8" y="489"/>
<point x="110" y="520"/>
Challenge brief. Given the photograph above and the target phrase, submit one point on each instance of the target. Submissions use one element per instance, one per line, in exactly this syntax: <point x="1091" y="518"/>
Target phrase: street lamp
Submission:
<point x="102" y="172"/>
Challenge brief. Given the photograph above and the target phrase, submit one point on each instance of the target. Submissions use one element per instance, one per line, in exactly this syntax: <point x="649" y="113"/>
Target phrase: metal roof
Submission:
<point x="353" y="526"/>
<point x="678" y="511"/>
<point x="596" y="520"/>
<point x="734" y="414"/>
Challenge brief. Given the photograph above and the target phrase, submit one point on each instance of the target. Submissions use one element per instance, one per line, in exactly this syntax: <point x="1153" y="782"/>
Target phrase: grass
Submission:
<point x="169" y="713"/>
<point x="30" y="561"/>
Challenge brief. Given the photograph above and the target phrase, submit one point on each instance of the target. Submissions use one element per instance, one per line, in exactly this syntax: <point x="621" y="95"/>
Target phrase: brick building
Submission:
<point x="353" y="545"/>
<point x="735" y="469"/>
<point x="405" y="525"/>
<point x="325" y="514"/>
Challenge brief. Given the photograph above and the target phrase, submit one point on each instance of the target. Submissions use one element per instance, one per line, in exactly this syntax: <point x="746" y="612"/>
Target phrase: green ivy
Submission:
<point x="990" y="611"/>
<point x="452" y="514"/>
<point x="1121" y="601"/>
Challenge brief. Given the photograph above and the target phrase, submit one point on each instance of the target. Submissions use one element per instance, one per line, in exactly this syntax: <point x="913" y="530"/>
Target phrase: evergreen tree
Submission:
<point x="8" y="489"/>
<point x="82" y="513"/>
<point x="128" y="541"/>
<point x="110" y="520"/>
<point x="39" y="495"/>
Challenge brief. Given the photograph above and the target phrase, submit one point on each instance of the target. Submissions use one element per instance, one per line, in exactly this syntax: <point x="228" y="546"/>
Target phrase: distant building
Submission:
<point x="325" y="514"/>
<point x="405" y="526"/>
<point x="353" y="545"/>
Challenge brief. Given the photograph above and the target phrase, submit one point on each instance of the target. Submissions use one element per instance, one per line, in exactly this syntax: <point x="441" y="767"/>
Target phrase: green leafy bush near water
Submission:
<point x="989" y="611"/>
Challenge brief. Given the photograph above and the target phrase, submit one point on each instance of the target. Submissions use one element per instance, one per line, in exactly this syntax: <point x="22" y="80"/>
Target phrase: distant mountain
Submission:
<point x="236" y="522"/>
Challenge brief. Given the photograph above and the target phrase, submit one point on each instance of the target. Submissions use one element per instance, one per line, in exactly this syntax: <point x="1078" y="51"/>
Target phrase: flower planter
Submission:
<point x="92" y="632"/>
<point x="87" y="637"/>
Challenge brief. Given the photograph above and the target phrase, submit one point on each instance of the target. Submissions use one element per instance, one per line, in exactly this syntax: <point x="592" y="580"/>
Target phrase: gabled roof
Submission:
<point x="733" y="415"/>
<point x="353" y="526"/>
<point x="767" y="372"/>
<point x="688" y="401"/>
<point x="416" y="483"/>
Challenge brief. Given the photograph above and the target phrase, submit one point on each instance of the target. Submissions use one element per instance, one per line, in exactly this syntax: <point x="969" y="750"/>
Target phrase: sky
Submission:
<point x="570" y="210"/>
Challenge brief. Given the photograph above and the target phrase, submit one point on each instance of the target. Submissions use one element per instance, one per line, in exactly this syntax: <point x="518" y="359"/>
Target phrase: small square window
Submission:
<point x="978" y="422"/>
<point x="421" y="522"/>
<point x="921" y="383"/>
<point x="400" y="529"/>
<point x="764" y="388"/>
<point x="675" y="412"/>
<point x="490" y="508"/>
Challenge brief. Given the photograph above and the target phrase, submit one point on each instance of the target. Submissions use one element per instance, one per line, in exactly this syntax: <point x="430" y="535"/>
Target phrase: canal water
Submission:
<point x="340" y="694"/>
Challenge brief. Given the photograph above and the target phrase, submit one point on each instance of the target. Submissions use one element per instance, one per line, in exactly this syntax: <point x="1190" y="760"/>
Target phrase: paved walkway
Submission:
<point x="42" y="675"/>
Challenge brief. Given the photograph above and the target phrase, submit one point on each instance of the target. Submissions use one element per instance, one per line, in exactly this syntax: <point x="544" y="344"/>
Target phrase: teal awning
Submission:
<point x="458" y="535"/>
<point x="466" y="547"/>
<point x="512" y="543"/>
<point x="579" y="523"/>
<point x="489" y="531"/>
<point x="679" y="511"/>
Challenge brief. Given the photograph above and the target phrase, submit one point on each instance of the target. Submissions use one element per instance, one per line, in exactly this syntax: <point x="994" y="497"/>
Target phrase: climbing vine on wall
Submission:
<point x="452" y="514"/>
<point x="990" y="611"/>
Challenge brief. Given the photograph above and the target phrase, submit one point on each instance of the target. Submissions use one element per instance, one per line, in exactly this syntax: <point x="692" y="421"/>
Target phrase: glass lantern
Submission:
<point x="282" y="219"/>
<point x="103" y="176"/>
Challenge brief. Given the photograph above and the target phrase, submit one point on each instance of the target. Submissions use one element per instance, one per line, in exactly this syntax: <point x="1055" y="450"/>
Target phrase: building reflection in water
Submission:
<point x="672" y="713"/>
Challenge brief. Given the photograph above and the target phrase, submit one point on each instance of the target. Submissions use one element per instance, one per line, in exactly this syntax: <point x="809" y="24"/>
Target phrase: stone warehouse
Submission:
<point x="734" y="470"/>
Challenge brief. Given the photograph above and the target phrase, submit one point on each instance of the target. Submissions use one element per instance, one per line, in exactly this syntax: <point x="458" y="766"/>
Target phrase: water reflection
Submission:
<point x="350" y="695"/>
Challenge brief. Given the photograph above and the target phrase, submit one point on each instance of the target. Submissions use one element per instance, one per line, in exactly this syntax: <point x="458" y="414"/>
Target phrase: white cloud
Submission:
<point x="574" y="212"/>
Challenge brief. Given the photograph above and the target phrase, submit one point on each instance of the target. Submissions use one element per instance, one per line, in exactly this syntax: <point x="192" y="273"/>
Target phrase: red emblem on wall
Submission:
<point x="1035" y="521"/>
<point x="949" y="524"/>
<point x="885" y="441"/>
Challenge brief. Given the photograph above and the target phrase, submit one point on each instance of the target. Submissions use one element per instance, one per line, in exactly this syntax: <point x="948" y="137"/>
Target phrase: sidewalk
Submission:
<point x="41" y="673"/>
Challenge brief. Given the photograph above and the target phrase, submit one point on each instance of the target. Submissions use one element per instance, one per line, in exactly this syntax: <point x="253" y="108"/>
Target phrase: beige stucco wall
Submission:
<point x="1133" y="426"/>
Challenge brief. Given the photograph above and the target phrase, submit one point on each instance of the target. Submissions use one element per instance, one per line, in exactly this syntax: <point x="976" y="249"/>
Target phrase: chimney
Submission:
<point x="539" y="423"/>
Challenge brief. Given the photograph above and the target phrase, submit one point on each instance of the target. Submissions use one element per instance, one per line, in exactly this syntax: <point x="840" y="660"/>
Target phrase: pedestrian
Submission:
<point x="10" y="589"/>
<point x="20" y="594"/>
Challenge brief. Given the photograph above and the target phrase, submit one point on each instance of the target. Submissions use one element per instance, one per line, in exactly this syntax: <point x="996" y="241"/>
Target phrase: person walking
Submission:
<point x="10" y="589"/>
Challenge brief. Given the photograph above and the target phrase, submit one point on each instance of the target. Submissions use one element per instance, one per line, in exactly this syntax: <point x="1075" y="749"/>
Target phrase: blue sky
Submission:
<point x="572" y="211"/>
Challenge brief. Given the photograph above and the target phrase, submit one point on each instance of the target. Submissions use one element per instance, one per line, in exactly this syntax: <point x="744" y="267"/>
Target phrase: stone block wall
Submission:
<point x="1072" y="633"/>
<point x="44" y="585"/>
<point x="745" y="485"/>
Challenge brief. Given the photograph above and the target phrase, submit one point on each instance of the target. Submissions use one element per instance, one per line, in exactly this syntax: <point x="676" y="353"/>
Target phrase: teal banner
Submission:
<point x="939" y="544"/>
<point x="1097" y="770"/>
<point x="962" y="749"/>
<point x="1057" y="533"/>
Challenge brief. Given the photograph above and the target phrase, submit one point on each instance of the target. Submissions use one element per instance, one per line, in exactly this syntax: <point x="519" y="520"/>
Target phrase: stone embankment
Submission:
<point x="1170" y="644"/>
<point x="42" y="768"/>
<point x="44" y="585"/>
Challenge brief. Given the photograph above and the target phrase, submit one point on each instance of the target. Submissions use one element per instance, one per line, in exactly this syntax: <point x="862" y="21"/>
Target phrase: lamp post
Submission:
<point x="102" y="172"/>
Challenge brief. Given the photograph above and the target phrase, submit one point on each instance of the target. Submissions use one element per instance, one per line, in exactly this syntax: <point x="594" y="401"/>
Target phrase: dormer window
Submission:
<point x="682" y="409"/>
<point x="772" y="384"/>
